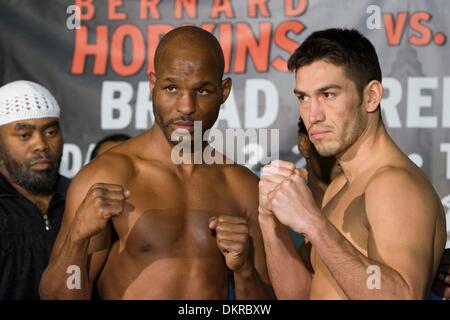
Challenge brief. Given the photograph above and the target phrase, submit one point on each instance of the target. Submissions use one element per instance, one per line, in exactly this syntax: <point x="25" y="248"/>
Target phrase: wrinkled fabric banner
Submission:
<point x="94" y="56"/>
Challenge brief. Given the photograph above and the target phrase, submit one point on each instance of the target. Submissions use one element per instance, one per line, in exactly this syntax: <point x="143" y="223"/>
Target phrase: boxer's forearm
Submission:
<point x="289" y="276"/>
<point x="350" y="268"/>
<point x="54" y="281"/>
<point x="248" y="285"/>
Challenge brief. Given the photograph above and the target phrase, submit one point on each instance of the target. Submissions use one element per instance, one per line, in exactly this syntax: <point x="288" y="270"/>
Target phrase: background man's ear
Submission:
<point x="226" y="88"/>
<point x="373" y="94"/>
<point x="152" y="81"/>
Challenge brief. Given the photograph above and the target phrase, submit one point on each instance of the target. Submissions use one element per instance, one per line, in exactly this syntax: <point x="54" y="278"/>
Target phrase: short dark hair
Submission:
<point x="346" y="48"/>
<point x="117" y="137"/>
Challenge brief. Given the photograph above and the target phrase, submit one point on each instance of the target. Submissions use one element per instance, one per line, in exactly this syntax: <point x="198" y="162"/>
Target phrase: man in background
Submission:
<point x="32" y="193"/>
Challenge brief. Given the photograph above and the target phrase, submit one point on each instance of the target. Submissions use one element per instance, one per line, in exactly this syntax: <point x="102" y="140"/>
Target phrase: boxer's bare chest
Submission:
<point x="166" y="210"/>
<point x="347" y="212"/>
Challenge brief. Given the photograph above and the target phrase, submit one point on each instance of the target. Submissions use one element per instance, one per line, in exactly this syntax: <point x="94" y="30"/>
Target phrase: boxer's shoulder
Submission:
<point x="112" y="167"/>
<point x="396" y="176"/>
<point x="238" y="174"/>
<point x="244" y="185"/>
<point x="400" y="183"/>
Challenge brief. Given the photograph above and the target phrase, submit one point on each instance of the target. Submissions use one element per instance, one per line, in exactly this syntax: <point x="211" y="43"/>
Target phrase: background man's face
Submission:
<point x="321" y="167"/>
<point x="330" y="107"/>
<point x="186" y="88"/>
<point x="30" y="153"/>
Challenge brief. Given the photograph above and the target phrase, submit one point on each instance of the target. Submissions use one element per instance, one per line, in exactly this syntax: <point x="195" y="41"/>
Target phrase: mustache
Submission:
<point x="46" y="156"/>
<point x="320" y="127"/>
<point x="181" y="119"/>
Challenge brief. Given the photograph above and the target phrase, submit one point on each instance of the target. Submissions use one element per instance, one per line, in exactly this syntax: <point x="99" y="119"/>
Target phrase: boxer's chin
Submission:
<point x="180" y="136"/>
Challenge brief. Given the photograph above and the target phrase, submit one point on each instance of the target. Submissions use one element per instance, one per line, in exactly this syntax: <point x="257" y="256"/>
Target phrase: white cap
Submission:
<point x="23" y="100"/>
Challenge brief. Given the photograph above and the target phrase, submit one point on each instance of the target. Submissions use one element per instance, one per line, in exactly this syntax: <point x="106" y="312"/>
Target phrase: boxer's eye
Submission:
<point x="329" y="95"/>
<point x="171" y="89"/>
<point x="202" y="92"/>
<point x="302" y="97"/>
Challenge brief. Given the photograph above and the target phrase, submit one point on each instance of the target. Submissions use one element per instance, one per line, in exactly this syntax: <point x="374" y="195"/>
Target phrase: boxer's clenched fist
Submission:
<point x="232" y="239"/>
<point x="271" y="176"/>
<point x="102" y="202"/>
<point x="293" y="203"/>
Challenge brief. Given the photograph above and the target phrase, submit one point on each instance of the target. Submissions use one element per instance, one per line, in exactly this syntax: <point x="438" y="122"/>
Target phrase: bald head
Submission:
<point x="187" y="84"/>
<point x="198" y="41"/>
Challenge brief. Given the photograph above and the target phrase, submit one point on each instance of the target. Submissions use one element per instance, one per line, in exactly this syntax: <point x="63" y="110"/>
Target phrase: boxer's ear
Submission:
<point x="152" y="81"/>
<point x="373" y="94"/>
<point x="226" y="88"/>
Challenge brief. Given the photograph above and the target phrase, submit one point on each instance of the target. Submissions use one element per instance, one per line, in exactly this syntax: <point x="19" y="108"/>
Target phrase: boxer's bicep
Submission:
<point x="401" y="228"/>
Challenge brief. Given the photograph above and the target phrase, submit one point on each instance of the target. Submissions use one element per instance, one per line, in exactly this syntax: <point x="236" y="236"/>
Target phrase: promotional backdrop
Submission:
<point x="94" y="56"/>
